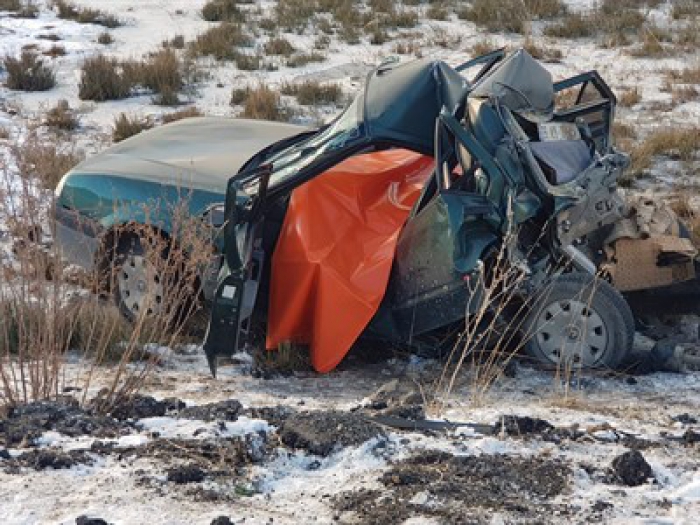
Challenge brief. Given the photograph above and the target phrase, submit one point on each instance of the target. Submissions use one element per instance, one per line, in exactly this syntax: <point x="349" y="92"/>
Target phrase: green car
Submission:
<point x="142" y="179"/>
<point x="321" y="245"/>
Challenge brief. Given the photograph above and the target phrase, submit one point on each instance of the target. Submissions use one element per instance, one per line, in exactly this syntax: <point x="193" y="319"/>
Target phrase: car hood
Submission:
<point x="197" y="153"/>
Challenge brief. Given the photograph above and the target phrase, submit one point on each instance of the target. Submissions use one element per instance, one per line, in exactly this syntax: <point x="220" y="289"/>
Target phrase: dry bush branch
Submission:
<point x="45" y="313"/>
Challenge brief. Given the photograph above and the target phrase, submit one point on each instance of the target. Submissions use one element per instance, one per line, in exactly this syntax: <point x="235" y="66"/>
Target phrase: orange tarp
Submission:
<point x="332" y="262"/>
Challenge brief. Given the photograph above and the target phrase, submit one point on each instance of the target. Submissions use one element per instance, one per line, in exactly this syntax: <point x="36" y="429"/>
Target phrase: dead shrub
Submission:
<point x="573" y="25"/>
<point x="176" y="42"/>
<point x="61" y="117"/>
<point x="45" y="161"/>
<point x="678" y="143"/>
<point x="684" y="94"/>
<point x="685" y="8"/>
<point x="249" y="62"/>
<point x="312" y="92"/>
<point x="105" y="38"/>
<point x="55" y="51"/>
<point x="103" y="79"/>
<point x="190" y="112"/>
<point x="161" y="72"/>
<point x="651" y="44"/>
<point x="239" y="96"/>
<point x="630" y="98"/>
<point x="126" y="126"/>
<point x="264" y="103"/>
<point x="545" y="54"/>
<point x="10" y="5"/>
<point x="40" y="321"/>
<point x="510" y="15"/>
<point x="220" y="42"/>
<point x="4" y="133"/>
<point x="279" y="46"/>
<point x="483" y="47"/>
<point x="28" y="73"/>
<point x="688" y="75"/>
<point x="438" y="10"/>
<point x="302" y="59"/>
<point x="222" y="11"/>
<point x="51" y="37"/>
<point x="293" y="15"/>
<point x="19" y="8"/>
<point x="85" y="15"/>
<point x="286" y="359"/>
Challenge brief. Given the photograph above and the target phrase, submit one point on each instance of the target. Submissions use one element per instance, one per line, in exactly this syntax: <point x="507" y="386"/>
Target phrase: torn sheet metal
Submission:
<point x="334" y="255"/>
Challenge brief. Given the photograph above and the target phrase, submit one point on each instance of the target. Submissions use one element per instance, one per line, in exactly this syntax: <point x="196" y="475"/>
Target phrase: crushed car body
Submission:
<point x="385" y="223"/>
<point x="392" y="222"/>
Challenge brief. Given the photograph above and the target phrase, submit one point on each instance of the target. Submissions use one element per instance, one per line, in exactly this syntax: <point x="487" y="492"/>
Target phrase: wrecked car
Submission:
<point x="139" y="182"/>
<point x="386" y="224"/>
<point x="389" y="223"/>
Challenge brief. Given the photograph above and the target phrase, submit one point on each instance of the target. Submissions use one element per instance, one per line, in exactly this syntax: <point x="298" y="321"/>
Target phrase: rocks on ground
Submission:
<point x="473" y="486"/>
<point x="631" y="469"/>
<point x="322" y="432"/>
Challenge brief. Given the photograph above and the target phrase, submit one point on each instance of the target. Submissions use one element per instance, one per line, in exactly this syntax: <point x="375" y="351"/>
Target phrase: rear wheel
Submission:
<point x="581" y="321"/>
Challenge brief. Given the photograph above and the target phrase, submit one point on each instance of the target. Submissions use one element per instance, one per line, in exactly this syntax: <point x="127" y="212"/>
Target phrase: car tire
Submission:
<point x="577" y="320"/>
<point x="136" y="285"/>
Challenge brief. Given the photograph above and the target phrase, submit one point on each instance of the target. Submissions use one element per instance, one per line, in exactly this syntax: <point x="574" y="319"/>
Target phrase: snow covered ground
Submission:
<point x="660" y="411"/>
<point x="652" y="413"/>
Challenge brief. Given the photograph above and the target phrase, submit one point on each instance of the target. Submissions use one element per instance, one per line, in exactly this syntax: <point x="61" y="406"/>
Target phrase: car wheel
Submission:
<point x="579" y="321"/>
<point x="137" y="288"/>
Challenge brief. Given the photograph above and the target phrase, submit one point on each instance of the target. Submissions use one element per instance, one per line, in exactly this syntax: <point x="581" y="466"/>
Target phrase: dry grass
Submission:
<point x="312" y="92"/>
<point x="20" y="8"/>
<point x="302" y="59"/>
<point x="103" y="79"/>
<point x="547" y="53"/>
<point x="220" y="42"/>
<point x="688" y="75"/>
<point x="176" y="42"/>
<point x="510" y="15"/>
<point x="222" y="11"/>
<point x="286" y="359"/>
<point x="279" y="46"/>
<point x="28" y="73"/>
<point x="249" y="62"/>
<point x="652" y="43"/>
<point x="630" y="98"/>
<point x="574" y="25"/>
<point x="126" y="126"/>
<point x="62" y="117"/>
<point x="10" y="5"/>
<point x="105" y="38"/>
<point x="482" y="47"/>
<point x="485" y="342"/>
<point x="162" y="73"/>
<point x="264" y="103"/>
<point x="190" y="112"/>
<point x="685" y="8"/>
<point x="239" y="96"/>
<point x="678" y="143"/>
<point x="39" y="322"/>
<point x="55" y="51"/>
<point x="85" y="15"/>
<point x="45" y="160"/>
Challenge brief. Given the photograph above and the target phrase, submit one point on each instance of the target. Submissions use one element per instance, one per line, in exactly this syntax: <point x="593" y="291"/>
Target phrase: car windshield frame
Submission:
<point x="346" y="131"/>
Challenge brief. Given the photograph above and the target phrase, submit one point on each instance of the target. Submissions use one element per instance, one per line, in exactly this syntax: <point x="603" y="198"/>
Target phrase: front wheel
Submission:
<point x="138" y="289"/>
<point x="581" y="321"/>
